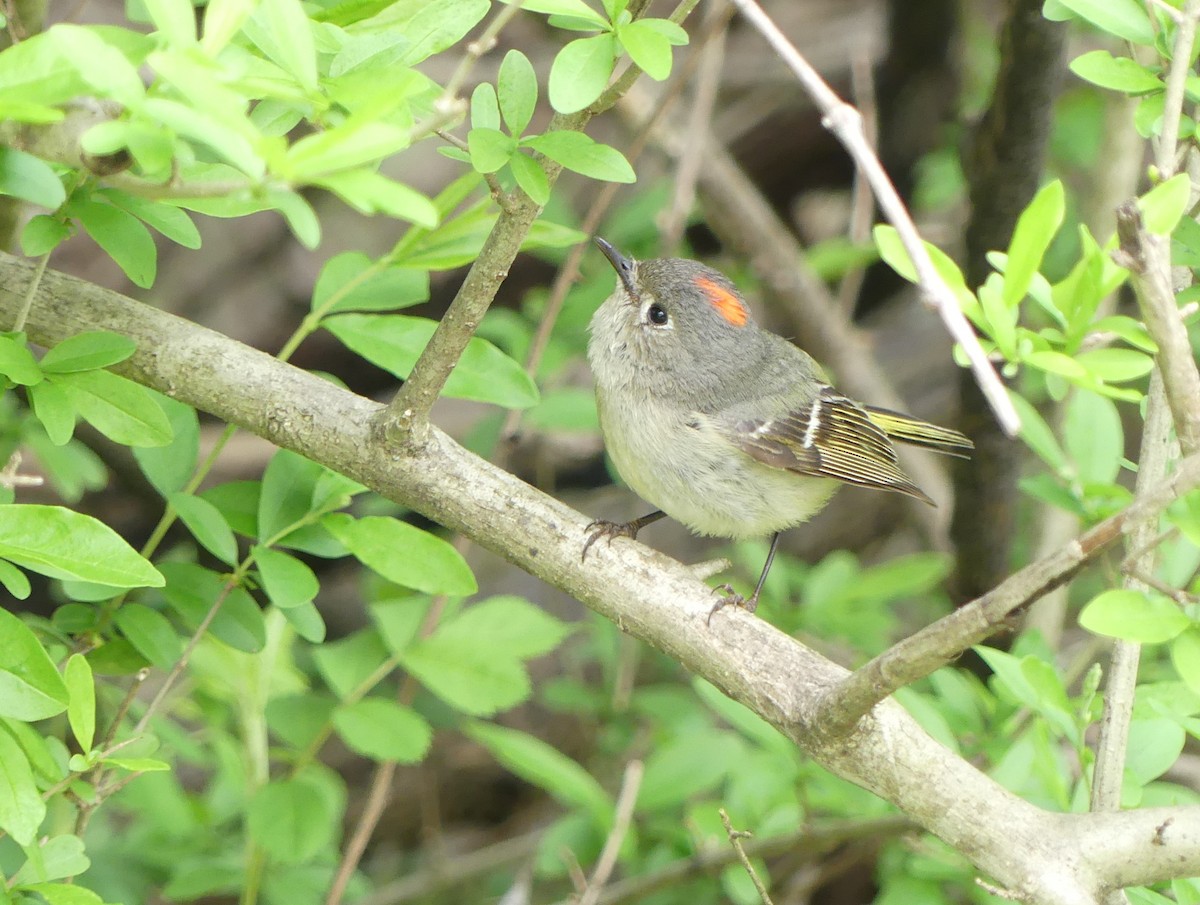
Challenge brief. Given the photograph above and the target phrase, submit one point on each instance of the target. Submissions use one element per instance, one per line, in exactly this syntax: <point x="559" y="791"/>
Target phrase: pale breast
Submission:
<point x="678" y="463"/>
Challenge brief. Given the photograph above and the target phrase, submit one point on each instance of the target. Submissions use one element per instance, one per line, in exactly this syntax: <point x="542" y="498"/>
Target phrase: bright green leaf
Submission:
<point x="353" y="282"/>
<point x="122" y="236"/>
<point x="647" y="47"/>
<point x="81" y="700"/>
<point x="383" y="730"/>
<point x="287" y="581"/>
<point x="17" y="362"/>
<point x="54" y="410"/>
<point x="1149" y="618"/>
<point x="489" y="149"/>
<point x="57" y="857"/>
<point x="485" y="107"/>
<point x="30" y="179"/>
<point x="291" y="821"/>
<point x="517" y="90"/>
<point x="582" y="154"/>
<point x="530" y="177"/>
<point x="403" y="554"/>
<point x="21" y="807"/>
<point x="1031" y="237"/>
<point x="61" y="543"/>
<point x="168" y="468"/>
<point x="151" y="634"/>
<point x="1126" y="19"/>
<point x="30" y="687"/>
<point x="1116" y="73"/>
<point x="124" y="411"/>
<point x="581" y="71"/>
<point x="1164" y="205"/>
<point x="395" y="342"/>
<point x="207" y="525"/>
<point x="193" y="591"/>
<point x="87" y="351"/>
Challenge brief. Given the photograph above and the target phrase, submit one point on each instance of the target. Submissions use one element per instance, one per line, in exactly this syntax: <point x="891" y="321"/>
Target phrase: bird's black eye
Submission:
<point x="657" y="315"/>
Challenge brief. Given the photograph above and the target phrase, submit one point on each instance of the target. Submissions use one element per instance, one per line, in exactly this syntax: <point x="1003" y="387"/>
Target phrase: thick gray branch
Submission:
<point x="1046" y="858"/>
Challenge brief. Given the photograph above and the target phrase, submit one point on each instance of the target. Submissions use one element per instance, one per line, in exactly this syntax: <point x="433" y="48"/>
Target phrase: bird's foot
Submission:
<point x="730" y="597"/>
<point x="604" y="528"/>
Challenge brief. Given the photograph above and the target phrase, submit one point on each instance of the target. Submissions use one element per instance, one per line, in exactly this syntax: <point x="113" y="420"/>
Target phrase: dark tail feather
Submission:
<point x="908" y="429"/>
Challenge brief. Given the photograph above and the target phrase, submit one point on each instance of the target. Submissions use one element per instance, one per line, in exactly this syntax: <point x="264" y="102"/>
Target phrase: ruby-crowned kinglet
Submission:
<point x="722" y="425"/>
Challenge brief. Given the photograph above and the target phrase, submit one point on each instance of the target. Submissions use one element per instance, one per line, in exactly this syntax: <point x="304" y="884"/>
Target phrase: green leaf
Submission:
<point x="105" y="68"/>
<point x="166" y="218"/>
<point x="291" y="43"/>
<point x="168" y="468"/>
<point x="291" y="820"/>
<point x="570" y="409"/>
<point x="485" y="107"/>
<point x="1149" y="618"/>
<point x="432" y="25"/>
<point x="222" y="20"/>
<point x="893" y="252"/>
<point x="192" y="591"/>
<point x="545" y="767"/>
<point x="43" y="234"/>
<point x="353" y="282"/>
<point x="517" y="90"/>
<point x="1031" y="237"/>
<point x="207" y="525"/>
<point x="64" y="894"/>
<point x="383" y="730"/>
<point x="21" y="807"/>
<point x="395" y="342"/>
<point x="692" y="763"/>
<point x="348" y="662"/>
<point x="30" y="179"/>
<point x="299" y="719"/>
<point x="489" y="149"/>
<point x="510" y="624"/>
<point x="81" y="700"/>
<point x="647" y="47"/>
<point x="1094" y="437"/>
<point x="87" y="351"/>
<point x="17" y="362"/>
<point x="30" y="687"/>
<point x="574" y="8"/>
<point x="466" y="673"/>
<point x="1126" y="19"/>
<point x="299" y="214"/>
<point x="581" y="71"/>
<point x="344" y="147"/>
<point x="530" y="177"/>
<point x="54" y="410"/>
<point x="287" y="581"/>
<point x="1164" y="205"/>
<point x="403" y="554"/>
<point x="1117" y="73"/>
<point x="1153" y="748"/>
<point x="61" y="543"/>
<point x="14" y="580"/>
<point x="374" y="193"/>
<point x="122" y="236"/>
<point x="1116" y="365"/>
<point x="286" y="498"/>
<point x="307" y="621"/>
<point x="1185" y="655"/>
<point x="124" y="411"/>
<point x="151" y="634"/>
<point x="57" y="857"/>
<point x="582" y="154"/>
<point x="175" y="19"/>
<point x="399" y="620"/>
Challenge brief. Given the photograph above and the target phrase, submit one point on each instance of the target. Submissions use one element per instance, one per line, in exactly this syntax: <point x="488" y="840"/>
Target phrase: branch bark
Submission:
<point x="1049" y="859"/>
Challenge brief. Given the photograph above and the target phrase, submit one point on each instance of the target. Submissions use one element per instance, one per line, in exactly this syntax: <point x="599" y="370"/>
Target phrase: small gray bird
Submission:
<point x="723" y="426"/>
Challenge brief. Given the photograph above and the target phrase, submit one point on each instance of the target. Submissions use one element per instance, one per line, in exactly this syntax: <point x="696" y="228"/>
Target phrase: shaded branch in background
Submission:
<point x="1004" y="169"/>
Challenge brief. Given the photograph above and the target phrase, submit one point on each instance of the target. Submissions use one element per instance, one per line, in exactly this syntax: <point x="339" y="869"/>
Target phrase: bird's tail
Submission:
<point x="908" y="429"/>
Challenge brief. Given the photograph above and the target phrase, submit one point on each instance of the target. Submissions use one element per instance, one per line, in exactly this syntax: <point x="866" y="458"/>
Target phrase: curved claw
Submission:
<point x="731" y="598"/>
<point x="604" y="528"/>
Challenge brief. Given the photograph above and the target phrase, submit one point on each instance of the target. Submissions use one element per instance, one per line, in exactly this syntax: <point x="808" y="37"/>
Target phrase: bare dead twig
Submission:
<point x="735" y="839"/>
<point x="631" y="783"/>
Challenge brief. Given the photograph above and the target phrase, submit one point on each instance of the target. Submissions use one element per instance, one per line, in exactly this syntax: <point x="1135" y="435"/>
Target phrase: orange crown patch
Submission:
<point x="728" y="305"/>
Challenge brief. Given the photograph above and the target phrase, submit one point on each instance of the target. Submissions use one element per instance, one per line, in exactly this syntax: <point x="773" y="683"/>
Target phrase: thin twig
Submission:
<point x="939" y="643"/>
<point x="735" y="839"/>
<point x="846" y="124"/>
<point x="30" y="293"/>
<point x="476" y="50"/>
<point x="708" y="82"/>
<point x="862" y="210"/>
<point x="631" y="783"/>
<point x="1177" y="75"/>
<point x="1121" y="681"/>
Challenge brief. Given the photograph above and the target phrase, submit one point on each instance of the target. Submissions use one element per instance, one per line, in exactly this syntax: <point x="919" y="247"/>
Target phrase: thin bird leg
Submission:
<point x="732" y="598"/>
<point x="603" y="528"/>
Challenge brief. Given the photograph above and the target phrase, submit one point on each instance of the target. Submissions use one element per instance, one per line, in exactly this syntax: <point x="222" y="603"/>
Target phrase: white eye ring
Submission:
<point x="655" y="315"/>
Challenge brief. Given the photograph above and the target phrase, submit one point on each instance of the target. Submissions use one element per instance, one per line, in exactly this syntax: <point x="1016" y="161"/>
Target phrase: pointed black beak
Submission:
<point x="621" y="264"/>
